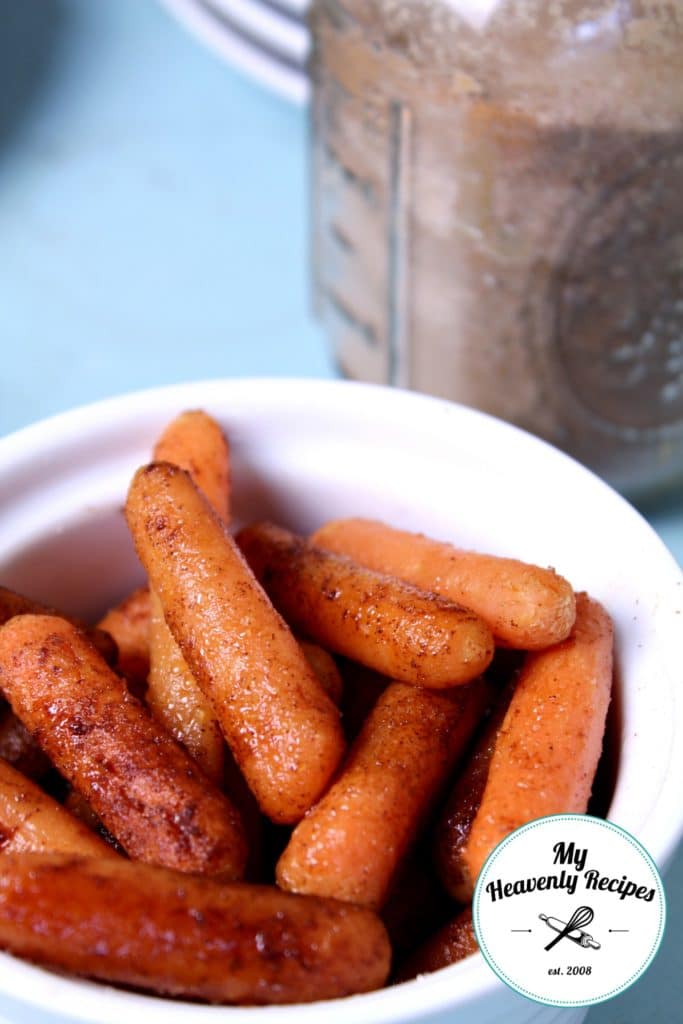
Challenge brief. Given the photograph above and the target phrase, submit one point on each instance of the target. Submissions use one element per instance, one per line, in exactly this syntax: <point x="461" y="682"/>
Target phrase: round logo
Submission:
<point x="569" y="910"/>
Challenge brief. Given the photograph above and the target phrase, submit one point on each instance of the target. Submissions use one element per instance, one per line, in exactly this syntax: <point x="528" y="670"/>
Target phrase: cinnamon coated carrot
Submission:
<point x="12" y="603"/>
<point x="350" y="845"/>
<point x="525" y="605"/>
<point x="128" y="623"/>
<point x="325" y="668"/>
<point x="547" y="749"/>
<point x="173" y="934"/>
<point x="195" y="442"/>
<point x="32" y="822"/>
<point x="145" y="789"/>
<point x="282" y="728"/>
<point x="385" y="624"/>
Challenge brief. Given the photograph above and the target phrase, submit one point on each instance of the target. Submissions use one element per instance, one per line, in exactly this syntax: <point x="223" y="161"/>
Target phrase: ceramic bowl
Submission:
<point x="306" y="451"/>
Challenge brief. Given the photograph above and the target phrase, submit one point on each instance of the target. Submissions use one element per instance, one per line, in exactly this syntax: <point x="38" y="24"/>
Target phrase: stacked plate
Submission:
<point x="267" y="39"/>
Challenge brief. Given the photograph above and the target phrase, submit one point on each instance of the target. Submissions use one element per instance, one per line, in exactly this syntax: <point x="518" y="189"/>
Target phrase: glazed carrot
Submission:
<point x="351" y="844"/>
<point x="174" y="697"/>
<point x="194" y="442"/>
<point x="146" y="790"/>
<point x="389" y="626"/>
<point x="525" y="606"/>
<point x="12" y="603"/>
<point x="455" y="821"/>
<point x="325" y="668"/>
<point x="128" y="624"/>
<point x="548" y="747"/>
<point x="283" y="729"/>
<point x="31" y="821"/>
<point x="172" y="934"/>
<point x="455" y="941"/>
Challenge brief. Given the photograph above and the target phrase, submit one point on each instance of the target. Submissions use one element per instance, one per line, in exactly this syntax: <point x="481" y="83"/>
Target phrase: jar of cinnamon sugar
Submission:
<point x="498" y="214"/>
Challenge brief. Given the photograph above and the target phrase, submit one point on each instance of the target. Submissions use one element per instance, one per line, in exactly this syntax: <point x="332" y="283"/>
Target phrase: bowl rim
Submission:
<point x="471" y="978"/>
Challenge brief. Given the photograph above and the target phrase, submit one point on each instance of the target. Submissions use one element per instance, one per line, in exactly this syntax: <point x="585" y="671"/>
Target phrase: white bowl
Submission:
<point x="305" y="451"/>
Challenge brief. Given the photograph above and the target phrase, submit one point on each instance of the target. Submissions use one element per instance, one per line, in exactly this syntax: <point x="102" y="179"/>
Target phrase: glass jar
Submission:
<point x="498" y="213"/>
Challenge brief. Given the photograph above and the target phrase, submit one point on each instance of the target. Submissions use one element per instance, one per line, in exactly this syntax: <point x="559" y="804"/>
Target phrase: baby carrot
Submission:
<point x="526" y="606"/>
<point x="195" y="442"/>
<point x="547" y="749"/>
<point x="351" y="844"/>
<point x="325" y="668"/>
<point x="146" y="790"/>
<point x="385" y="624"/>
<point x="283" y="729"/>
<point x="128" y="624"/>
<point x="178" y="935"/>
<point x="12" y="603"/>
<point x="32" y="822"/>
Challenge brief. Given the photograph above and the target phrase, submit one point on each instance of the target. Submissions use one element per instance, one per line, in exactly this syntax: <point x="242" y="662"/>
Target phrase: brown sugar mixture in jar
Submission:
<point x="498" y="213"/>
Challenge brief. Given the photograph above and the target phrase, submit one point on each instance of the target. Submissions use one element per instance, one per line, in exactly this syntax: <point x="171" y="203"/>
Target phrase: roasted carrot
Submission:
<point x="194" y="442"/>
<point x="392" y="627"/>
<point x="451" y="943"/>
<point x="526" y="606"/>
<point x="146" y="790"/>
<point x="351" y="844"/>
<point x="455" y="820"/>
<point x="283" y="729"/>
<point x="175" y="699"/>
<point x="128" y="624"/>
<point x="173" y="934"/>
<point x="325" y="668"/>
<point x="12" y="603"/>
<point x="31" y="821"/>
<point x="547" y="750"/>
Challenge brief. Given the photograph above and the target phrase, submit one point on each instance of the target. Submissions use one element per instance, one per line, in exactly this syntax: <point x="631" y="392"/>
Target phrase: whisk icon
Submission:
<point x="581" y="917"/>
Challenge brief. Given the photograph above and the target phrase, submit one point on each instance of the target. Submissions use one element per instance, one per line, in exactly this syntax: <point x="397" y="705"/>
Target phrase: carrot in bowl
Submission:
<point x="526" y="606"/>
<point x="195" y="442"/>
<point x="281" y="726"/>
<point x="392" y="627"/>
<point x="172" y="934"/>
<point x="543" y="757"/>
<point x="351" y="844"/>
<point x="33" y="822"/>
<point x="143" y="786"/>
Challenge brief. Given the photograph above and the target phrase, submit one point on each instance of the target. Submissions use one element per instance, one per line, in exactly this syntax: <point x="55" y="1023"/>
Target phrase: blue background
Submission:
<point x="153" y="229"/>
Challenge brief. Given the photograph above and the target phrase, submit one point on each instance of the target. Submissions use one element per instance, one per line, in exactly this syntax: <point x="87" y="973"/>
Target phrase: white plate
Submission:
<point x="276" y="71"/>
<point x="265" y="25"/>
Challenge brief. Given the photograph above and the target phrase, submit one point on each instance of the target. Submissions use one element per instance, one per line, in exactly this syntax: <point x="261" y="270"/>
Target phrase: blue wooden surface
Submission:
<point x="153" y="230"/>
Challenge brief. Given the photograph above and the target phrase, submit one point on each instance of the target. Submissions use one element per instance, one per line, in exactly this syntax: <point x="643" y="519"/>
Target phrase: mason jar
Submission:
<point x="497" y="191"/>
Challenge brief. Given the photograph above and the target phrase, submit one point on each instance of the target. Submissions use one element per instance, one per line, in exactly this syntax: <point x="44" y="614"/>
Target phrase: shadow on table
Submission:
<point x="30" y="31"/>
